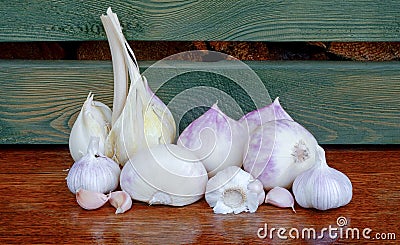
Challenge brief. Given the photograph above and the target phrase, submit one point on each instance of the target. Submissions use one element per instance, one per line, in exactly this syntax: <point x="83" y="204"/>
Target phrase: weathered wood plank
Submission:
<point x="339" y="102"/>
<point x="249" y="20"/>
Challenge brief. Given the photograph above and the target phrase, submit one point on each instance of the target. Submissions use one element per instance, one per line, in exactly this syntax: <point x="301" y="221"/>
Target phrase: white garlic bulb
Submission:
<point x="94" y="171"/>
<point x="216" y="139"/>
<point x="278" y="152"/>
<point x="164" y="174"/>
<point x="144" y="119"/>
<point x="322" y="187"/>
<point x="94" y="119"/>
<point x="232" y="190"/>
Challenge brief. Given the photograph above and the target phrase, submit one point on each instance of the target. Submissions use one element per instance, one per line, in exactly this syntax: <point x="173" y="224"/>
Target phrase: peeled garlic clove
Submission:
<point x="164" y="174"/>
<point x="90" y="199"/>
<point x="278" y="152"/>
<point x="144" y="120"/>
<point x="231" y="191"/>
<point x="121" y="201"/>
<point x="271" y="112"/>
<point x="94" y="171"/>
<point x="94" y="119"/>
<point x="280" y="197"/>
<point x="216" y="139"/>
<point x="322" y="187"/>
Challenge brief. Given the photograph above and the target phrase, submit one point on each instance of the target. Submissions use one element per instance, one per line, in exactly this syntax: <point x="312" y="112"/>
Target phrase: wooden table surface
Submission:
<point x="37" y="207"/>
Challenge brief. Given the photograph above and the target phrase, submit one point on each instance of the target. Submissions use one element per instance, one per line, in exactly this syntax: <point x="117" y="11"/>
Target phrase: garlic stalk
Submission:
<point x="144" y="120"/>
<point x="322" y="187"/>
<point x="233" y="190"/>
<point x="271" y="112"/>
<point x="216" y="139"/>
<point x="164" y="174"/>
<point x="120" y="70"/>
<point x="94" y="171"/>
<point x="278" y="152"/>
<point x="94" y="119"/>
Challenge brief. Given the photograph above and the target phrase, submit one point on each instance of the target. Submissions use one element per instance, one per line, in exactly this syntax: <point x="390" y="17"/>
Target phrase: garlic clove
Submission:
<point x="280" y="197"/>
<point x="278" y="152"/>
<point x="322" y="187"/>
<point x="257" y="187"/>
<point x="164" y="174"/>
<point x="94" y="171"/>
<point x="229" y="192"/>
<point x="121" y="201"/>
<point x="94" y="119"/>
<point x="90" y="199"/>
<point x="216" y="139"/>
<point x="144" y="119"/>
<point x="271" y="112"/>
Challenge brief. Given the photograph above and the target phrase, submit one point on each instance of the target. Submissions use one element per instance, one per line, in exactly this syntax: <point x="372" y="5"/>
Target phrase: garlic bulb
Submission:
<point x="94" y="119"/>
<point x="278" y="152"/>
<point x="94" y="171"/>
<point x="144" y="119"/>
<point x="322" y="187"/>
<point x="216" y="139"/>
<point x="271" y="112"/>
<point x="233" y="190"/>
<point x="280" y="197"/>
<point x="164" y="174"/>
<point x="90" y="200"/>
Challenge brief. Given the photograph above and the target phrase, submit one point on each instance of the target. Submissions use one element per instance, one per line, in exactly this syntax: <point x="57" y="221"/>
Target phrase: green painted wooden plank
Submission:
<point x="339" y="102"/>
<point x="246" y="20"/>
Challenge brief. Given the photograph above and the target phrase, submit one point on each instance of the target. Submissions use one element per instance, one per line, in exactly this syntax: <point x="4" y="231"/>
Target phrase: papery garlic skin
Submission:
<point x="94" y="119"/>
<point x="278" y="152"/>
<point x="164" y="174"/>
<point x="233" y="190"/>
<point x="280" y="197"/>
<point x="322" y="187"/>
<point x="218" y="140"/>
<point x="271" y="112"/>
<point x="94" y="171"/>
<point x="144" y="120"/>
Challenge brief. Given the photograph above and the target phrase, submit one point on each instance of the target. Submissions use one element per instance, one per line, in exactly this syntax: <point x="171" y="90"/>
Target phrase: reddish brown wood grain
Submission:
<point x="36" y="206"/>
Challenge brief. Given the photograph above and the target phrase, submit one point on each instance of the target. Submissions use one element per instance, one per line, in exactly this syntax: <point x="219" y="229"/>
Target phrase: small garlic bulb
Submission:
<point x="94" y="171"/>
<point x="322" y="187"/>
<point x="233" y="190"/>
<point x="94" y="119"/>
